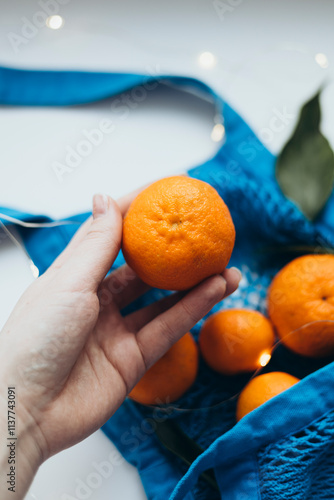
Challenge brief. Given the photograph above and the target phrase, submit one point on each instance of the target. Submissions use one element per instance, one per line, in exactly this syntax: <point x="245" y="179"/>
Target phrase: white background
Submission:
<point x="265" y="61"/>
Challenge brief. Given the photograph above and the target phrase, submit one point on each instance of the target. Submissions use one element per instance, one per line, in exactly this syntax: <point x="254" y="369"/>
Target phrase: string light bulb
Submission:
<point x="264" y="359"/>
<point x="322" y="60"/>
<point x="218" y="132"/>
<point x="34" y="269"/>
<point x="207" y="60"/>
<point x="54" y="22"/>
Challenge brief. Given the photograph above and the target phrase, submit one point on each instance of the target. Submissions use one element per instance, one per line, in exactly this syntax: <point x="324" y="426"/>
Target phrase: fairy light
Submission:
<point x="264" y="359"/>
<point x="218" y="132"/>
<point x="322" y="60"/>
<point x="34" y="269"/>
<point x="207" y="60"/>
<point x="54" y="22"/>
<point x="22" y="223"/>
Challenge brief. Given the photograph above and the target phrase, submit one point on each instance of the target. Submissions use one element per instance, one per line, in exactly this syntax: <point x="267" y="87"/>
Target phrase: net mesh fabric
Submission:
<point x="207" y="410"/>
<point x="259" y="215"/>
<point x="300" y="466"/>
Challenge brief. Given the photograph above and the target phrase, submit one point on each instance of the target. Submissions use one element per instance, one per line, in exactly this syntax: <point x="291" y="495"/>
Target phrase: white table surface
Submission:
<point x="265" y="61"/>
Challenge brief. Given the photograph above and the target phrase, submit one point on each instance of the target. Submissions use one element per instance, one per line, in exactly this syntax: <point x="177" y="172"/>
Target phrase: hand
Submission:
<point x="71" y="354"/>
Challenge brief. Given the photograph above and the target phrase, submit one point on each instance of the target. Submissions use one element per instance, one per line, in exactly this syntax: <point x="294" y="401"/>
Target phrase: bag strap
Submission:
<point x="288" y="413"/>
<point x="64" y="88"/>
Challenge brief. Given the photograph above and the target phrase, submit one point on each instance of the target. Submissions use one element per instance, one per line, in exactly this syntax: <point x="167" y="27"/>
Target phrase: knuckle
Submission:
<point x="144" y="358"/>
<point x="217" y="289"/>
<point x="167" y="330"/>
<point x="103" y="237"/>
<point x="189" y="311"/>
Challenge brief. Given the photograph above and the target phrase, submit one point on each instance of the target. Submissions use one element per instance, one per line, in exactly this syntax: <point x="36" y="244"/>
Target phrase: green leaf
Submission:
<point x="305" y="167"/>
<point x="175" y="440"/>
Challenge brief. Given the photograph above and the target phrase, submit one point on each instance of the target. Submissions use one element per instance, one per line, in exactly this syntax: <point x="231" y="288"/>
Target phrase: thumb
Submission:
<point x="94" y="256"/>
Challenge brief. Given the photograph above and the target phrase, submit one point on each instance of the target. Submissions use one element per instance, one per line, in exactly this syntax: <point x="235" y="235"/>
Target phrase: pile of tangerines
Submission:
<point x="177" y="232"/>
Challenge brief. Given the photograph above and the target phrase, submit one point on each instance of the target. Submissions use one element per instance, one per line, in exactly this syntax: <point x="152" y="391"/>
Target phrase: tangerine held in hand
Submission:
<point x="262" y="388"/>
<point x="171" y="376"/>
<point x="177" y="232"/>
<point x="234" y="341"/>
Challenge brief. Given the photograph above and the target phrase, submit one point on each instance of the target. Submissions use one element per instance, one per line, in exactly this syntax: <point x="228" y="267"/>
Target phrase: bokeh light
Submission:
<point x="54" y="22"/>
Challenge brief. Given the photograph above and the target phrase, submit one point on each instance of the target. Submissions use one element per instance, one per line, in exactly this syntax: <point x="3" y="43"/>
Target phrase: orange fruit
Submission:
<point x="262" y="388"/>
<point x="236" y="340"/>
<point x="177" y="232"/>
<point x="301" y="300"/>
<point x="170" y="377"/>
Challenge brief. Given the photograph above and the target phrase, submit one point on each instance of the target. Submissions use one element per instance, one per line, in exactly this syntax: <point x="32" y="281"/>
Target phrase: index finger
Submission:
<point x="125" y="201"/>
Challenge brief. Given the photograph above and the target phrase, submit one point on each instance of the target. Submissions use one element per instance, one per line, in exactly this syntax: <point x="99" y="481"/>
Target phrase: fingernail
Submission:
<point x="238" y="272"/>
<point x="100" y="205"/>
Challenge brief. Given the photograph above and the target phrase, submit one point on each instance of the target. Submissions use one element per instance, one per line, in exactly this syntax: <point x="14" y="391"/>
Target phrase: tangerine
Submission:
<point x="177" y="232"/>
<point x="171" y="376"/>
<point x="301" y="300"/>
<point x="236" y="340"/>
<point x="262" y="388"/>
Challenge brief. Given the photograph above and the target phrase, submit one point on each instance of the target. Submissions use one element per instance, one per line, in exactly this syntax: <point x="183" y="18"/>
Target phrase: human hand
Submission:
<point x="71" y="354"/>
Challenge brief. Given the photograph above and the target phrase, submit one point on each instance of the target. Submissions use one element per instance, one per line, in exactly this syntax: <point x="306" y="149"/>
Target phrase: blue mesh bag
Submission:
<point x="283" y="449"/>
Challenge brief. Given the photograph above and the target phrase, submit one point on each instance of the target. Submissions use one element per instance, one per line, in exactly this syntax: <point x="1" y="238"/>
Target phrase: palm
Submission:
<point x="109" y="363"/>
<point x="117" y="352"/>
<point x="100" y="354"/>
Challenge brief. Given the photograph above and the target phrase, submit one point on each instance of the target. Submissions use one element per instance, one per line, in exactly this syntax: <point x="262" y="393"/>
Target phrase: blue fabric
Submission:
<point x="294" y="429"/>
